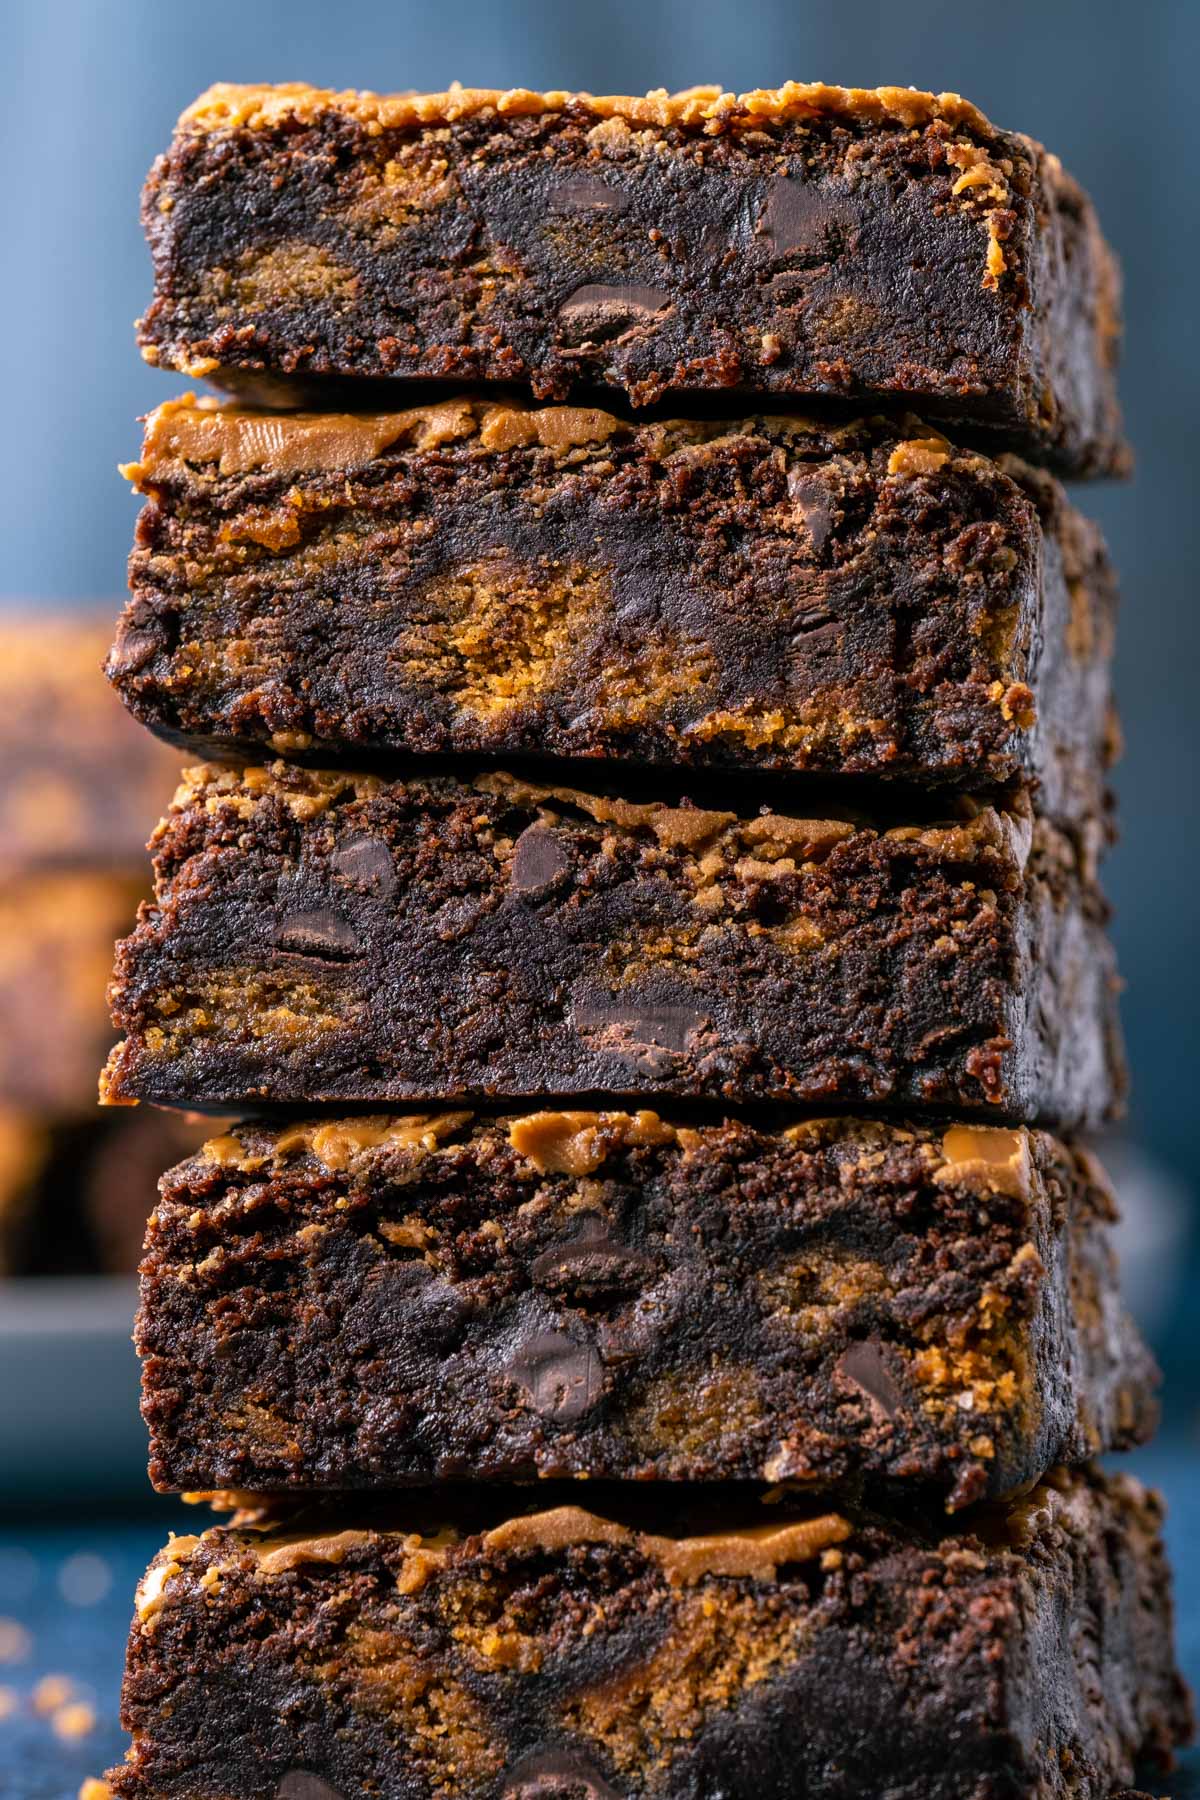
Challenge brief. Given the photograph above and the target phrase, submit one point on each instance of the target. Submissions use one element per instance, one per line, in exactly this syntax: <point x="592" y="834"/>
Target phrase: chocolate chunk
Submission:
<point x="302" y="1784"/>
<point x="537" y="858"/>
<point x="321" y="933"/>
<point x="562" y="1378"/>
<point x="556" y="1775"/>
<point x="136" y="645"/>
<point x="797" y="216"/>
<point x="598" y="315"/>
<point x="365" y="861"/>
<point x="816" y="506"/>
<point x="582" y="195"/>
<point x="591" y="1263"/>
<point x="864" y="1365"/>
<point x="667" y="1027"/>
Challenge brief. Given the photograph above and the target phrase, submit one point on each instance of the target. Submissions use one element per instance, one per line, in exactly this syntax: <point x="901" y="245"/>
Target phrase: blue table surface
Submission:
<point x="66" y="1590"/>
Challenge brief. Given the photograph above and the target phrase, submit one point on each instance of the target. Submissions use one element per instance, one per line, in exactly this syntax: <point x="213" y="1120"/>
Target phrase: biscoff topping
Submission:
<point x="710" y="110"/>
<point x="240" y="440"/>
<point x="756" y="1550"/>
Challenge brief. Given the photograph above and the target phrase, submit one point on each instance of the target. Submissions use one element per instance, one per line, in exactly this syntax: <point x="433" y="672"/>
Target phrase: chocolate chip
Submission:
<point x="537" y="858"/>
<point x="797" y="216"/>
<point x="591" y="1263"/>
<point x="302" y="1784"/>
<point x="816" y="506"/>
<point x="864" y="1365"/>
<point x="135" y="646"/>
<point x="598" y="315"/>
<point x="668" y="1027"/>
<point x="562" y="1378"/>
<point x="582" y="195"/>
<point x="556" y="1775"/>
<point x="322" y="933"/>
<point x="365" y="861"/>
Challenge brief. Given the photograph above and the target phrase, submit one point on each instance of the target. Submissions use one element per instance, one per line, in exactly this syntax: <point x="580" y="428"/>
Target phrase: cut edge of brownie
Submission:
<point x="613" y="1296"/>
<point x="1040" y="370"/>
<point x="547" y="612"/>
<point x="685" y="1638"/>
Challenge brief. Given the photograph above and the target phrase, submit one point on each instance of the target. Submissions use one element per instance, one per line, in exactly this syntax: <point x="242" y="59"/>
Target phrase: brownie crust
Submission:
<point x="869" y="247"/>
<point x="323" y="937"/>
<point x="366" y="1302"/>
<point x="666" y="1646"/>
<point x="766" y="593"/>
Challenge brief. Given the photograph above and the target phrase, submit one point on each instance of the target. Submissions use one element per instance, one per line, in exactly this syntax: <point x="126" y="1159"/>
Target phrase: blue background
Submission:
<point x="88" y="94"/>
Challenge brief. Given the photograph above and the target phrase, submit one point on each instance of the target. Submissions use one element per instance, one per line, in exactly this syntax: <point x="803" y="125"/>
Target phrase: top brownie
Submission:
<point x="881" y="246"/>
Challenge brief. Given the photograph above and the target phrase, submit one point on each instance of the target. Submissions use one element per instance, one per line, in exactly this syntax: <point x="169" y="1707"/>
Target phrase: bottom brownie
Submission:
<point x="662" y="1643"/>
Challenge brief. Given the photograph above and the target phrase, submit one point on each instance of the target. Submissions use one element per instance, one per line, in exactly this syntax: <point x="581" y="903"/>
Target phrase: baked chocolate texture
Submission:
<point x="765" y="593"/>
<point x="372" y="1301"/>
<point x="657" y="1644"/>
<point x="869" y="246"/>
<point x="319" y="936"/>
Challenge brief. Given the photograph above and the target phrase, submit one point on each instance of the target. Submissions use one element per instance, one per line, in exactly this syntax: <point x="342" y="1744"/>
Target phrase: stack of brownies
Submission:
<point x="656" y="1325"/>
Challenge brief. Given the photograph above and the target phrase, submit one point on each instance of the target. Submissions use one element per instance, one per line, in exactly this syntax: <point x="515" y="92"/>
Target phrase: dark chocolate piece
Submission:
<point x="764" y="593"/>
<point x="661" y="1643"/>
<point x="866" y="246"/>
<point x="956" y="962"/>
<point x="842" y="1303"/>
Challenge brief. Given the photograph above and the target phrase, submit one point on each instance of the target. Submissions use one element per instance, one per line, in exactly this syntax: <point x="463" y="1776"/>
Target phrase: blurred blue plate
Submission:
<point x="69" y="1421"/>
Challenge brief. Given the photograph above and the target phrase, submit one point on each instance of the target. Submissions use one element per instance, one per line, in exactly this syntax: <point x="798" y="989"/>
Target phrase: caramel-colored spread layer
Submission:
<point x="239" y="440"/>
<point x="755" y="1551"/>
<point x="231" y="106"/>
<point x="770" y="835"/>
<point x="244" y="441"/>
<point x="758" y="839"/>
<point x="982" y="1159"/>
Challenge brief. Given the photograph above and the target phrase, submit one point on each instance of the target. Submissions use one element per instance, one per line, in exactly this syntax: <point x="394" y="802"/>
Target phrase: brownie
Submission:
<point x="320" y="936"/>
<point x="657" y="1643"/>
<point x="370" y="1301"/>
<point x="57" y="928"/>
<point x="868" y="246"/>
<point x="81" y="785"/>
<point x="863" y="599"/>
<point x="76" y="1190"/>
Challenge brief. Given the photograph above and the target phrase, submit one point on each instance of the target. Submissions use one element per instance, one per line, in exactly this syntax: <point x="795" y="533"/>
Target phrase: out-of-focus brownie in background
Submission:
<point x="82" y="788"/>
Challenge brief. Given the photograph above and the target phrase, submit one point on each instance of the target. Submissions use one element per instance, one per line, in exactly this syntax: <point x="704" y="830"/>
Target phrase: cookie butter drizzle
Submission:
<point x="983" y="1159"/>
<point x="754" y="1552"/>
<point x="241" y="440"/>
